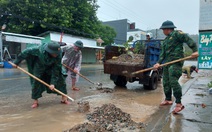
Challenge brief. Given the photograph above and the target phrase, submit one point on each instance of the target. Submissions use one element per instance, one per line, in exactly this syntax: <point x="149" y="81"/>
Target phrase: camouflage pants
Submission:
<point x="45" y="75"/>
<point x="171" y="75"/>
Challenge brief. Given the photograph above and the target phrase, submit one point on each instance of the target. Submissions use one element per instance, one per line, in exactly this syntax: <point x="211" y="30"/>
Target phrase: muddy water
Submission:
<point x="16" y="115"/>
<point x="15" y="102"/>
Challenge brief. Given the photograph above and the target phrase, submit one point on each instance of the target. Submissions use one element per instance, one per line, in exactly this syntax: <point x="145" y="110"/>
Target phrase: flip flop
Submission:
<point x="75" y="89"/>
<point x="166" y="102"/>
<point x="34" y="105"/>
<point x="65" y="102"/>
<point x="177" y="109"/>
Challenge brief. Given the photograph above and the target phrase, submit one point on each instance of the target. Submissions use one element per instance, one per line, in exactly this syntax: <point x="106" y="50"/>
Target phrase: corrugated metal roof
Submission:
<point x="21" y="35"/>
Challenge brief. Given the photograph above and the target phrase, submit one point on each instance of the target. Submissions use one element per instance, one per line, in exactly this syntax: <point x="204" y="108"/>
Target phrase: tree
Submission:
<point x="106" y="33"/>
<point x="33" y="17"/>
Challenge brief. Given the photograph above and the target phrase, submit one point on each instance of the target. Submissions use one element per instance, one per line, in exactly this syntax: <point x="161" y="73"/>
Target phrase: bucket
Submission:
<point x="7" y="65"/>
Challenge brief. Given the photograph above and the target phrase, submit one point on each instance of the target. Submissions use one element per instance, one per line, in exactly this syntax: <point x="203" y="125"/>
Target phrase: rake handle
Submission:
<point x="78" y="73"/>
<point x="41" y="81"/>
<point x="168" y="63"/>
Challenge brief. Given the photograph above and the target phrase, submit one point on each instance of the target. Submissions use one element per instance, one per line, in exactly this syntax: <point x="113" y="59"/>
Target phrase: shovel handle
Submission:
<point x="165" y="64"/>
<point x="78" y="73"/>
<point x="41" y="81"/>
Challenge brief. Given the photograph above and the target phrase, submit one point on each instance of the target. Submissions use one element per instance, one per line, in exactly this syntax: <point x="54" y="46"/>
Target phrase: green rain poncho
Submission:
<point x="45" y="67"/>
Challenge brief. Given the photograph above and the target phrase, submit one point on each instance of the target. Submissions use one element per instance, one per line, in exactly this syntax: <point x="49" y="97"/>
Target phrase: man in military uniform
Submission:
<point x="44" y="62"/>
<point x="172" y="49"/>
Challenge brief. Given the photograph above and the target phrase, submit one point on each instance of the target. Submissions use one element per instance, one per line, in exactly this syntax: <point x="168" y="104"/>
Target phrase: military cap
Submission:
<point x="53" y="48"/>
<point x="79" y="44"/>
<point x="167" y="24"/>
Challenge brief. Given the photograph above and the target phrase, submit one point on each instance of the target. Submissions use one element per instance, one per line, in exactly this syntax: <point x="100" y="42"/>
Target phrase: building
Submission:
<point x="16" y="43"/>
<point x="121" y="28"/>
<point x="90" y="50"/>
<point x="124" y="29"/>
<point x="137" y="34"/>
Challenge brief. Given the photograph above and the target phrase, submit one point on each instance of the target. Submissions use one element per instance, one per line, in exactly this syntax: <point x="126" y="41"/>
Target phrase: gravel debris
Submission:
<point x="108" y="118"/>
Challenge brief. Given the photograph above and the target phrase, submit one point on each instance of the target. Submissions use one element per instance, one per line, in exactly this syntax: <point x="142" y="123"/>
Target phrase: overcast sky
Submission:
<point x="150" y="14"/>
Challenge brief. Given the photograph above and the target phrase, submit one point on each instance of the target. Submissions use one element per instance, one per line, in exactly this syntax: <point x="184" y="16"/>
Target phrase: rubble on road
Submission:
<point x="105" y="90"/>
<point x="83" y="106"/>
<point x="87" y="127"/>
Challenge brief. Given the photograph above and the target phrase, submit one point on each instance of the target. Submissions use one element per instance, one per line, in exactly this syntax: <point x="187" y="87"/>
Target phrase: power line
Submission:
<point x="105" y="14"/>
<point x="134" y="13"/>
<point x="117" y="7"/>
<point x="125" y="8"/>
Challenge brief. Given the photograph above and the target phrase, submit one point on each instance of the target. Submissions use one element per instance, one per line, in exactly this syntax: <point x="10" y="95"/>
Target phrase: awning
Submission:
<point x="20" y="38"/>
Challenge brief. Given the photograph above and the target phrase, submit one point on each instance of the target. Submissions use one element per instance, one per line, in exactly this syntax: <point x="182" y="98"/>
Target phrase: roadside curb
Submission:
<point x="197" y="101"/>
<point x="164" y="113"/>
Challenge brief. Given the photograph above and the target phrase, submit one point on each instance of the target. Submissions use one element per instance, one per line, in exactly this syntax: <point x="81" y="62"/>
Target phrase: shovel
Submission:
<point x="58" y="91"/>
<point x="99" y="85"/>
<point x="152" y="68"/>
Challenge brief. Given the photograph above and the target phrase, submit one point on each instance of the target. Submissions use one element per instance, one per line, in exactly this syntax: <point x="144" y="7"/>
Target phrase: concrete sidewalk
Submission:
<point x="196" y="117"/>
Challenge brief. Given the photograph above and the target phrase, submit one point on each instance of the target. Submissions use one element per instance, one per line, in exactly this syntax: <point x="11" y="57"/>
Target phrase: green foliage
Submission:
<point x="106" y="33"/>
<point x="76" y="17"/>
<point x="210" y="84"/>
<point x="138" y="47"/>
<point x="130" y="39"/>
<point x="127" y="46"/>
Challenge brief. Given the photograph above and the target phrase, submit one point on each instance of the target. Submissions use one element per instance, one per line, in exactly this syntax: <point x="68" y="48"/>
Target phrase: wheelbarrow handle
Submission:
<point x="41" y="81"/>
<point x="165" y="64"/>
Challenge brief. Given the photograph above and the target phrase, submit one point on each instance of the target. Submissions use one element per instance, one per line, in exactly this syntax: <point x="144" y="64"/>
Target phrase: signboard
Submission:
<point x="205" y="50"/>
<point x="205" y="19"/>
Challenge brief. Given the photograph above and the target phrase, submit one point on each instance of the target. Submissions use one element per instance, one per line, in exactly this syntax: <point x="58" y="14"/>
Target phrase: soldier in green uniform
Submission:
<point x="44" y="62"/>
<point x="172" y="49"/>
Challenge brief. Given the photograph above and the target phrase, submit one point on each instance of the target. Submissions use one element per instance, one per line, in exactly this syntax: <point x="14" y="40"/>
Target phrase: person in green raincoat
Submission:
<point x="44" y="62"/>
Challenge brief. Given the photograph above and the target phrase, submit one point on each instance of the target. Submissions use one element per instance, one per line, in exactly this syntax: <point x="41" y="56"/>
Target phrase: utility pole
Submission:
<point x="1" y="58"/>
<point x="2" y="29"/>
<point x="1" y="43"/>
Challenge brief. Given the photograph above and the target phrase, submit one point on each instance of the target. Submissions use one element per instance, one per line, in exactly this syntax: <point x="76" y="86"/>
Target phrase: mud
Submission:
<point x="83" y="106"/>
<point x="127" y="59"/>
<point x="17" y="115"/>
<point x="105" y="90"/>
<point x="108" y="118"/>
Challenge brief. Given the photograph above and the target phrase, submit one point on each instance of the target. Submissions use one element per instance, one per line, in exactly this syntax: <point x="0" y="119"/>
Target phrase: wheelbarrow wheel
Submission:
<point x="153" y="82"/>
<point x="120" y="81"/>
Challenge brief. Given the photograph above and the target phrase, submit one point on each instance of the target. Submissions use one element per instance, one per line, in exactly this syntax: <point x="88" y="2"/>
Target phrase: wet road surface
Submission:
<point x="17" y="115"/>
<point x="196" y="117"/>
<point x="198" y="107"/>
